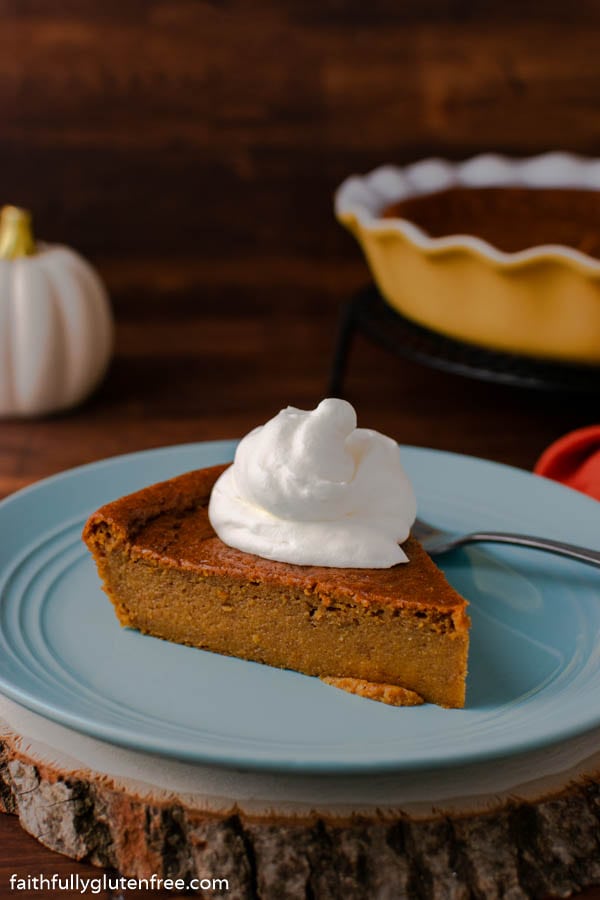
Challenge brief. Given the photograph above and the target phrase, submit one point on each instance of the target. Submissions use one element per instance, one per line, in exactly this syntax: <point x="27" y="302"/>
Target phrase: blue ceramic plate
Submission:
<point x="534" y="663"/>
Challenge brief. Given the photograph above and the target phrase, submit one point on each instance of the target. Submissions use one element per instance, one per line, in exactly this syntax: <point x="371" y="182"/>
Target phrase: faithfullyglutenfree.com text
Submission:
<point x="105" y="882"/>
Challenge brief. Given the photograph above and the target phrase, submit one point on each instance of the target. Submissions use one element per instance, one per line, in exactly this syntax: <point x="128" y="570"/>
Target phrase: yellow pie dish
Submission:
<point x="542" y="301"/>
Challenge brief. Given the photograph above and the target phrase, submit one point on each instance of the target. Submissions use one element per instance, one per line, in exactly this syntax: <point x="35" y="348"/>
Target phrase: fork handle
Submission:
<point x="583" y="554"/>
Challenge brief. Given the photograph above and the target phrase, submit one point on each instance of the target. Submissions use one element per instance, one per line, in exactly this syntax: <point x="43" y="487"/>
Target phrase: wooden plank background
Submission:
<point x="191" y="150"/>
<point x="177" y="128"/>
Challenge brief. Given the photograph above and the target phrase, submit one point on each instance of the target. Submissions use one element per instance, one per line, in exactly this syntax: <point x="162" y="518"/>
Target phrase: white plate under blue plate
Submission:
<point x="534" y="663"/>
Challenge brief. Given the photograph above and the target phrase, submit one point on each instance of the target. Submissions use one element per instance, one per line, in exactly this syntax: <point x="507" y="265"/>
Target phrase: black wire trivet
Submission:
<point x="370" y="315"/>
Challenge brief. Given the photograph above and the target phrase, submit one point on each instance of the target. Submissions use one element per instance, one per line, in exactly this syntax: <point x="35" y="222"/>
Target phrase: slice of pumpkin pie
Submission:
<point x="391" y="623"/>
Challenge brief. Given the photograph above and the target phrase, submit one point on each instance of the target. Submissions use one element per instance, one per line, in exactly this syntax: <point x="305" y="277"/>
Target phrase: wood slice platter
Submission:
<point x="520" y="827"/>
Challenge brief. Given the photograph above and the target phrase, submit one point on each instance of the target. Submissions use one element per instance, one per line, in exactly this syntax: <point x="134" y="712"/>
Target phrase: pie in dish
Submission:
<point x="368" y="630"/>
<point x="498" y="252"/>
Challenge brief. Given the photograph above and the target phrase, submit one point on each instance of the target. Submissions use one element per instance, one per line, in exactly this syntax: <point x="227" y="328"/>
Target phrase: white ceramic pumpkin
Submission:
<point x="56" y="329"/>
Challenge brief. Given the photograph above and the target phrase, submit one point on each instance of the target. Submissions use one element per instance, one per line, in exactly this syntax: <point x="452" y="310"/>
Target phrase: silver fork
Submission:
<point x="436" y="541"/>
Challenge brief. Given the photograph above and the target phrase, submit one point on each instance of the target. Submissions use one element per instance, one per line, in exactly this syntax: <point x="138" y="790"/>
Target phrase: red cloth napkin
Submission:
<point x="575" y="460"/>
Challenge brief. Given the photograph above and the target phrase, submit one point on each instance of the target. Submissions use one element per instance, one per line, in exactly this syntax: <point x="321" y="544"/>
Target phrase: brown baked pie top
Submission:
<point x="509" y="218"/>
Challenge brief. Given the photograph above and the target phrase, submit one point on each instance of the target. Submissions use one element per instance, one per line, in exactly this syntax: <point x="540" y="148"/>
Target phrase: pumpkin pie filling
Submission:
<point x="169" y="575"/>
<point x="509" y="218"/>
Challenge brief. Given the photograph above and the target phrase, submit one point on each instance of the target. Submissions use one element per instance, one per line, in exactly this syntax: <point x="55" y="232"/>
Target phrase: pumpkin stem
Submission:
<point x="16" y="236"/>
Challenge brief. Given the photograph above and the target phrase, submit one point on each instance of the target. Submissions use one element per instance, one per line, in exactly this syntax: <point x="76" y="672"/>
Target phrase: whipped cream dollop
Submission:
<point x="310" y="488"/>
